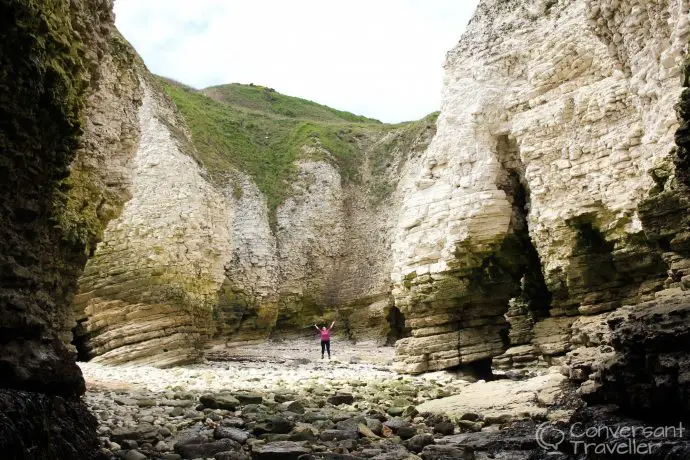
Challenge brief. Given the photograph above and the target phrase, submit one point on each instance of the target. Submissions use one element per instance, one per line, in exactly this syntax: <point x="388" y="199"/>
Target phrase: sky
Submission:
<point x="378" y="58"/>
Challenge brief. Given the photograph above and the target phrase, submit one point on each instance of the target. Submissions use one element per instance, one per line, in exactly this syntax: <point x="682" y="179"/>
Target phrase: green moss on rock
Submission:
<point x="49" y="55"/>
<point x="48" y="61"/>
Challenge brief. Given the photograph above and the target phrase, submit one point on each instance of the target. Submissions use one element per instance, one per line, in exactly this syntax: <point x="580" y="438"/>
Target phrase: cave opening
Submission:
<point x="476" y="370"/>
<point x="396" y="324"/>
<point x="507" y="292"/>
<point x="80" y="341"/>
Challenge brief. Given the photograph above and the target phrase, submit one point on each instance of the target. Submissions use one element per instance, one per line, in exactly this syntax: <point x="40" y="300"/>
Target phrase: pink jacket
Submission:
<point x="325" y="335"/>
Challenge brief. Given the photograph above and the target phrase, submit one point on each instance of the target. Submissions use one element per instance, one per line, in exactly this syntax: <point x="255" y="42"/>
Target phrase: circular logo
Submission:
<point x="549" y="437"/>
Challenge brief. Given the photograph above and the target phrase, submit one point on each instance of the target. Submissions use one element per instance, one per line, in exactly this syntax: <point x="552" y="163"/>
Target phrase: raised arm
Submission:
<point x="331" y="327"/>
<point x="317" y="327"/>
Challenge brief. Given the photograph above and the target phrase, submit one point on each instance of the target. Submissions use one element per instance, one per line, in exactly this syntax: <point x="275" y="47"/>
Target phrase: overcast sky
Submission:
<point x="379" y="58"/>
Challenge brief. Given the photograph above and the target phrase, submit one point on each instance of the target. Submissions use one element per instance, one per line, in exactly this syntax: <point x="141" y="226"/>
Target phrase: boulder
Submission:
<point x="219" y="401"/>
<point x="245" y="397"/>
<point x="142" y="431"/>
<point x="338" y="435"/>
<point x="206" y="449"/>
<point x="446" y="452"/>
<point x="223" y="432"/>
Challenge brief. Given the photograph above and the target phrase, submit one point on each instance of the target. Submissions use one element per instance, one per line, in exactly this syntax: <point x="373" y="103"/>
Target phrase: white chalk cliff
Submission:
<point x="532" y="208"/>
<point x="570" y="103"/>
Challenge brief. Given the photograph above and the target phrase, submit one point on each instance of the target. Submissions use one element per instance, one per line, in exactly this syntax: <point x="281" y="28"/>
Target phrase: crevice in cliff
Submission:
<point x="605" y="273"/>
<point x="518" y="253"/>
<point x="592" y="267"/>
<point x="81" y="340"/>
<point x="396" y="322"/>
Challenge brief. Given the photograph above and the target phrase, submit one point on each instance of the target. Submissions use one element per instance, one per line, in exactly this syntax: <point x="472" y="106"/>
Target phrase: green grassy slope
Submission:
<point x="261" y="98"/>
<point x="261" y="132"/>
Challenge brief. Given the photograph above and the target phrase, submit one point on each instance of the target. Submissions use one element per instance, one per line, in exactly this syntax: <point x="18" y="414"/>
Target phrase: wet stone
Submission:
<point x="338" y="435"/>
<point x="276" y="425"/>
<point x="231" y="455"/>
<point x="232" y="421"/>
<point x="292" y="406"/>
<point x="248" y="398"/>
<point x="303" y="433"/>
<point x="136" y="433"/>
<point x="445" y="452"/>
<point x="418" y="442"/>
<point x="134" y="455"/>
<point x="350" y="423"/>
<point x="341" y="398"/>
<point x="219" y="401"/>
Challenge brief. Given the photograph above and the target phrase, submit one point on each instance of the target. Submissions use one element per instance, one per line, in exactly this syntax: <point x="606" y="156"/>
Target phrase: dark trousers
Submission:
<point x="326" y="346"/>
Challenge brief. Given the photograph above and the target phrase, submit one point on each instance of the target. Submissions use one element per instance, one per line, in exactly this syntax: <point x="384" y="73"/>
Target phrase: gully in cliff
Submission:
<point x="325" y="338"/>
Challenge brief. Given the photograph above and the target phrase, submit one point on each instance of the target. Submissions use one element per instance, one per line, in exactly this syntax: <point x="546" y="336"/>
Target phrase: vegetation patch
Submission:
<point x="267" y="100"/>
<point x="263" y="133"/>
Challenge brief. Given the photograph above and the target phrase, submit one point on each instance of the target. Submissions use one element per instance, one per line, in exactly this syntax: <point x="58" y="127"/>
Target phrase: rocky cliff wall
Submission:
<point x="152" y="283"/>
<point x="549" y="192"/>
<point x="193" y="258"/>
<point x="556" y="131"/>
<point x="50" y="56"/>
<point x="328" y="258"/>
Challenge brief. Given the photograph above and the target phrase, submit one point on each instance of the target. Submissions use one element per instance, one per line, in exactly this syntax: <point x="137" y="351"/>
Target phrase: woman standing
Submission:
<point x="325" y="339"/>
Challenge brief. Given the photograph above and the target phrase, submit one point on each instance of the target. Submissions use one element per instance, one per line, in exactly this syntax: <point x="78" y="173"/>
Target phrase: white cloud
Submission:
<point x="380" y="58"/>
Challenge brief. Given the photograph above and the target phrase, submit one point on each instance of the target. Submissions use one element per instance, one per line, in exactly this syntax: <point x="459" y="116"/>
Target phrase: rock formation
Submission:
<point x="197" y="253"/>
<point x="547" y="222"/>
<point x="550" y="181"/>
<point x="549" y="192"/>
<point x="50" y="55"/>
<point x="149" y="284"/>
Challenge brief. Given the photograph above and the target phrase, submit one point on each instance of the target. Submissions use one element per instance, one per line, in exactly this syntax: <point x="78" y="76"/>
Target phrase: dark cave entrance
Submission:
<point x="80" y="340"/>
<point x="396" y="322"/>
<point x="476" y="370"/>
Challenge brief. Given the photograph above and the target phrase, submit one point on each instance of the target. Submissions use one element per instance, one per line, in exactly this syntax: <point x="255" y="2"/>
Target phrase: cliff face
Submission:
<point x="551" y="193"/>
<point x="150" y="284"/>
<point x="203" y="249"/>
<point x="549" y="190"/>
<point x="50" y="55"/>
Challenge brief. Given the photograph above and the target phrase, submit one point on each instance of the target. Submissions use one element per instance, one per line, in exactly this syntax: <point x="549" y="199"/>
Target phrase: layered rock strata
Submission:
<point x="151" y="285"/>
<point x="572" y="102"/>
<point x="549" y="192"/>
<point x="193" y="258"/>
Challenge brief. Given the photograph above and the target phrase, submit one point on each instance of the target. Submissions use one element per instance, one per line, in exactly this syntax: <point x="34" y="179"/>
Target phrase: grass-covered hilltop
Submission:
<point x="261" y="132"/>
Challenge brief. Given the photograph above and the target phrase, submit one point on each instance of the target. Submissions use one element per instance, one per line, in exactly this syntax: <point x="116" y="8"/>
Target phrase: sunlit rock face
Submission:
<point x="556" y="131"/>
<point x="190" y="262"/>
<point x="149" y="289"/>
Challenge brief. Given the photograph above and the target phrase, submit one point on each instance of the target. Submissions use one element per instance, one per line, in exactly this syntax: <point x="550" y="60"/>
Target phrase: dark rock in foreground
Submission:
<point x="33" y="424"/>
<point x="206" y="449"/>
